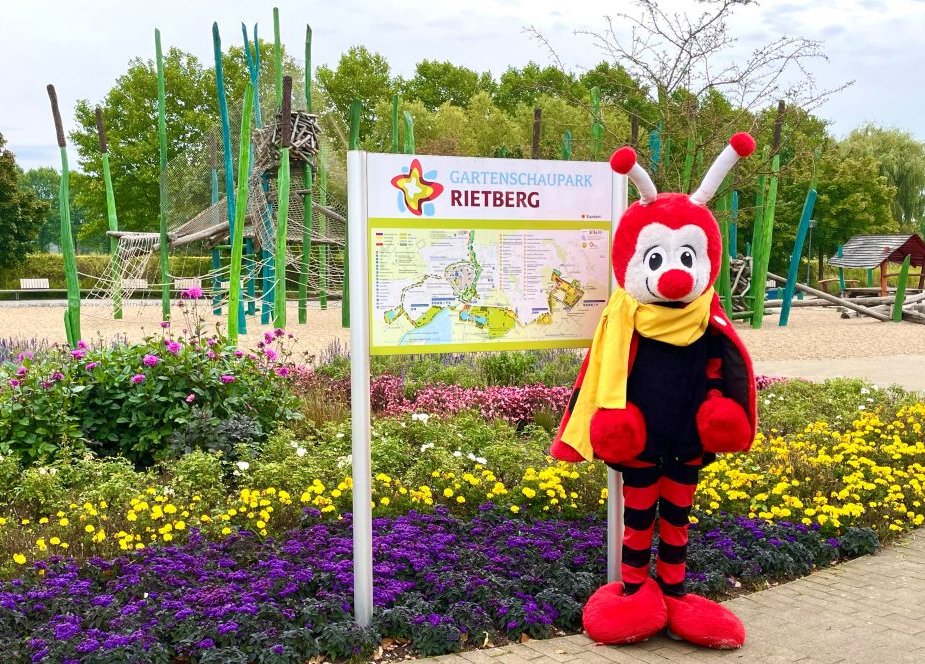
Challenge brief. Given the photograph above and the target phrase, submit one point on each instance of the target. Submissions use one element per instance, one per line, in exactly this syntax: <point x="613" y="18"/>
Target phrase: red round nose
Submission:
<point x="675" y="284"/>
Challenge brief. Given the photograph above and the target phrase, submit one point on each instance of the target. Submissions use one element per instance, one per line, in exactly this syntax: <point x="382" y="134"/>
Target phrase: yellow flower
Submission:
<point x="226" y="530"/>
<point x="515" y="509"/>
<point x="19" y="559"/>
<point x="89" y="528"/>
<point x="170" y="509"/>
<point x="261" y="524"/>
<point x="448" y="492"/>
<point x="384" y="500"/>
<point x="64" y="521"/>
<point x="55" y="541"/>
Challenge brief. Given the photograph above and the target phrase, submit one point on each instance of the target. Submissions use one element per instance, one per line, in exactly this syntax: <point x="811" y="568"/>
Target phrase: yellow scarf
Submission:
<point x="604" y="384"/>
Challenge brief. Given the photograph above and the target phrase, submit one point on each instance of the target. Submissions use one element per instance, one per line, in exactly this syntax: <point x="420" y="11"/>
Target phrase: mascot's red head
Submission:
<point x="667" y="247"/>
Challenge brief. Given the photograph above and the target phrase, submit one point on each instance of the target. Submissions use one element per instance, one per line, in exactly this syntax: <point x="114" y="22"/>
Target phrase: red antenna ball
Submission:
<point x="742" y="143"/>
<point x="623" y="160"/>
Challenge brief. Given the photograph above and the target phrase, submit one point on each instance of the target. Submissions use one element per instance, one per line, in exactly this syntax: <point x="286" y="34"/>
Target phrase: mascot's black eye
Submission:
<point x="687" y="258"/>
<point x="655" y="261"/>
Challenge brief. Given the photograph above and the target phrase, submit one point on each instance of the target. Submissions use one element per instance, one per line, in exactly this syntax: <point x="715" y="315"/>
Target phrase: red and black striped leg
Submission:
<point x="676" y="495"/>
<point x="640" y="498"/>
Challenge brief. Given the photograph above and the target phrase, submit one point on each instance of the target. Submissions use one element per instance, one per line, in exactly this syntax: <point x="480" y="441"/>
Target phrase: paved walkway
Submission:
<point x="867" y="611"/>
<point x="905" y="370"/>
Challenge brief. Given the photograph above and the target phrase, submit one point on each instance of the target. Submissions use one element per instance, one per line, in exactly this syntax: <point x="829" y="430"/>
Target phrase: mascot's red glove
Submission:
<point x="723" y="425"/>
<point x="618" y="434"/>
<point x="563" y="452"/>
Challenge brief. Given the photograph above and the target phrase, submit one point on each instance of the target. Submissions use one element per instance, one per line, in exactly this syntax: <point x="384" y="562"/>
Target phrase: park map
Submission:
<point x="486" y="288"/>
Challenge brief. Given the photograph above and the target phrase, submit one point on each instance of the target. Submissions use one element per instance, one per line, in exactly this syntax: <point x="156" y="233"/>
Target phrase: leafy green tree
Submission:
<point x="525" y="86"/>
<point x="44" y="182"/>
<point x="22" y="213"/>
<point x="360" y="74"/>
<point x="901" y="159"/>
<point x="436" y="83"/>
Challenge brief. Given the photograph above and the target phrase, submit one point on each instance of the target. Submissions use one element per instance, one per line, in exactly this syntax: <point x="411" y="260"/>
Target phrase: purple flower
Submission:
<point x="271" y="354"/>
<point x="227" y="628"/>
<point x="239" y="353"/>
<point x="211" y="355"/>
<point x="206" y="644"/>
<point x="78" y="354"/>
<point x="279" y="332"/>
<point x="190" y="398"/>
<point x="193" y="293"/>
<point x="57" y="375"/>
<point x="81" y="344"/>
<point x="150" y="360"/>
<point x="138" y="378"/>
<point x="282" y="371"/>
<point x="66" y="630"/>
<point x="92" y="365"/>
<point x="24" y="355"/>
<point x="165" y="324"/>
<point x="278" y="649"/>
<point x="22" y="371"/>
<point x="227" y="378"/>
<point x="13" y="382"/>
<point x="173" y="347"/>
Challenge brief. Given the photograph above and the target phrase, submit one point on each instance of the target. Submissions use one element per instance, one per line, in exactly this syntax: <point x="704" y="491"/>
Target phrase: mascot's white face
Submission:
<point x="668" y="265"/>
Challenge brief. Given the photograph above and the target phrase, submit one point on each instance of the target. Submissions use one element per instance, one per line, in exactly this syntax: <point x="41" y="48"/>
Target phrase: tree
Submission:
<point x="900" y="158"/>
<point x="360" y="74"/>
<point x="436" y="83"/>
<point x="21" y="212"/>
<point x="525" y="86"/>
<point x="44" y="182"/>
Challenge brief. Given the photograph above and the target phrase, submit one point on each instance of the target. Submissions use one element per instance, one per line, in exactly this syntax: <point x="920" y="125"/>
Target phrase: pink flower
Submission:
<point x="92" y="365"/>
<point x="23" y="356"/>
<point x="165" y="324"/>
<point x="150" y="360"/>
<point x="279" y="332"/>
<point x="173" y="347"/>
<point x="46" y="384"/>
<point x="78" y="354"/>
<point x="193" y="293"/>
<point x="268" y="337"/>
<point x="271" y="354"/>
<point x="81" y="344"/>
<point x="13" y="382"/>
<point x="190" y="398"/>
<point x="211" y="355"/>
<point x="282" y="371"/>
<point x="21" y="371"/>
<point x="56" y="376"/>
<point x="239" y="353"/>
<point x="211" y="341"/>
<point x="227" y="378"/>
<point x="138" y="378"/>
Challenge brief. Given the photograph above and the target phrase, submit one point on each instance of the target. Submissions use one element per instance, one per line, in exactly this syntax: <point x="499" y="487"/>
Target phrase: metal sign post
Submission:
<point x="359" y="389"/>
<point x="615" y="479"/>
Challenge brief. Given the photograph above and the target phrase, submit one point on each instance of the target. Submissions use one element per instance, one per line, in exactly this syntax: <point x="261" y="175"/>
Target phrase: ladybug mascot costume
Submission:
<point x="666" y="385"/>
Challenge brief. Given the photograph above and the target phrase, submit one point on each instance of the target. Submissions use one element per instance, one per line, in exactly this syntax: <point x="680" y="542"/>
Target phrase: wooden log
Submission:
<point x="848" y="304"/>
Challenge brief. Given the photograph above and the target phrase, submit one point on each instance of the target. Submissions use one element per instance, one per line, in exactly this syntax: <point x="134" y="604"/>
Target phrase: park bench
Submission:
<point x="183" y="284"/>
<point x="33" y="284"/>
<point x="824" y="283"/>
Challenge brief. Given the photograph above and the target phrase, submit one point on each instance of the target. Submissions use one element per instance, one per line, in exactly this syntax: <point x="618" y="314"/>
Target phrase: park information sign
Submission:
<point x="473" y="254"/>
<point x="455" y="254"/>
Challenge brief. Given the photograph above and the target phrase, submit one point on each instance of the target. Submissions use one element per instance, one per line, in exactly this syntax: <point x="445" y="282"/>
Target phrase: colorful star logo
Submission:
<point x="416" y="190"/>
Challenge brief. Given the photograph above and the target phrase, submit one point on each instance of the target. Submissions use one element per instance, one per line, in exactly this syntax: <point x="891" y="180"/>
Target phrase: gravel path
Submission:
<point x="811" y="335"/>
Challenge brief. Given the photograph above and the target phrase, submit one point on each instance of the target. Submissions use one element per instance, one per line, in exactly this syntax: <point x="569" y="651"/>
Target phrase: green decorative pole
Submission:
<point x="597" y="125"/>
<point x="354" y="144"/>
<point x="841" y="271"/>
<point x="797" y="254"/>
<point x="324" y="251"/>
<point x="72" y="314"/>
<point x="567" y="145"/>
<point x="226" y="148"/>
<point x="277" y="59"/>
<point x="688" y="166"/>
<point x="162" y="167"/>
<point x="409" y="132"/>
<point x="655" y="148"/>
<point x="901" y="290"/>
<point x="762" y="247"/>
<point x="111" y="216"/>
<point x="734" y="226"/>
<point x="395" y="145"/>
<point x="216" y="252"/>
<point x="282" y="211"/>
<point x="307" y="199"/>
<point x="237" y="235"/>
<point x="723" y="283"/>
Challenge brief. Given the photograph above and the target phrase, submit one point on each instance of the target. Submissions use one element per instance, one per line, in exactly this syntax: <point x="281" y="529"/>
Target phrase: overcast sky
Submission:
<point x="82" y="46"/>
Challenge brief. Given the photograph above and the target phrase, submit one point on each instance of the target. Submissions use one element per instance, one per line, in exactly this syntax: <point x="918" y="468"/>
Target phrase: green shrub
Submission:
<point x="198" y="473"/>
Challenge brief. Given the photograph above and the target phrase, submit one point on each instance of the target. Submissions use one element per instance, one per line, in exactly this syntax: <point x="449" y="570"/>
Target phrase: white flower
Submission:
<point x="340" y="435"/>
<point x="243" y="465"/>
<point x="426" y="446"/>
<point x="481" y="460"/>
<point x="864" y="390"/>
<point x="767" y="401"/>
<point x="293" y="444"/>
<point x="420" y="417"/>
<point x="862" y="407"/>
<point x="300" y="452"/>
<point x="43" y="471"/>
<point x="345" y="461"/>
<point x="470" y="456"/>
<point x="457" y="453"/>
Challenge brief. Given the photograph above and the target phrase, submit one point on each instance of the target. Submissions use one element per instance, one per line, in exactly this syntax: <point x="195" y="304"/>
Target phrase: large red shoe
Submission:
<point x="613" y="618"/>
<point x="704" y="623"/>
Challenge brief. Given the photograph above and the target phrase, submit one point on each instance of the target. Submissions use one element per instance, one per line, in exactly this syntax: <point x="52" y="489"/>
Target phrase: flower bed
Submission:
<point x="441" y="582"/>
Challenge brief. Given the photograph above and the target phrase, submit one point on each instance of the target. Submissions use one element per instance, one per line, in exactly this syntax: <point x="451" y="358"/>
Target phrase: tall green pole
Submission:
<point x="762" y="248"/>
<point x="307" y="198"/>
<point x="797" y="254"/>
<point x="72" y="314"/>
<point x="324" y="251"/>
<point x="724" y="282"/>
<point x="841" y="271"/>
<point x="901" y="290"/>
<point x="409" y="133"/>
<point x="354" y="144"/>
<point x="111" y="216"/>
<point x="282" y="210"/>
<point x="395" y="145"/>
<point x="567" y="145"/>
<point x="162" y="164"/>
<point x="597" y="125"/>
<point x="734" y="226"/>
<point x="226" y="147"/>
<point x="688" y="165"/>
<point x="277" y="59"/>
<point x="237" y="235"/>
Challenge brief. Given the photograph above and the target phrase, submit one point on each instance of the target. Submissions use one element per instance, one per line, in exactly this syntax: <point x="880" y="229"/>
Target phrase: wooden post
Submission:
<point x="111" y="216"/>
<point x="634" y="129"/>
<point x="841" y="272"/>
<point x="72" y="314"/>
<point x="307" y="198"/>
<point x="901" y="290"/>
<point x="277" y="60"/>
<point x="796" y="255"/>
<point x="537" y="127"/>
<point x="884" y="287"/>
<point x="162" y="168"/>
<point x="237" y="239"/>
<point x="282" y="211"/>
<point x="226" y="148"/>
